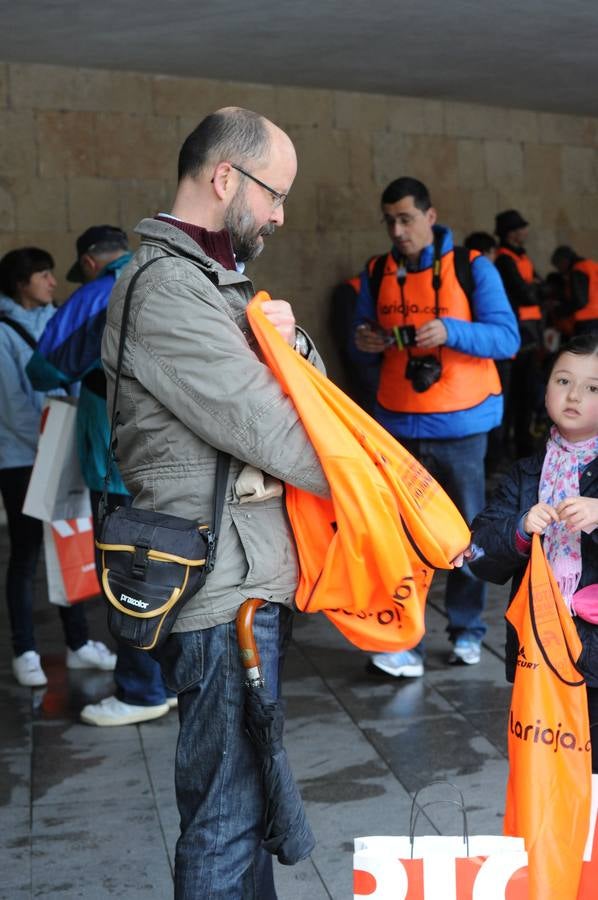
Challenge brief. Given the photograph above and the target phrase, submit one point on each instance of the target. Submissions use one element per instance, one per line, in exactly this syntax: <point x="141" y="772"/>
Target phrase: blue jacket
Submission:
<point x="20" y="404"/>
<point x="497" y="559"/>
<point x="492" y="334"/>
<point x="69" y="351"/>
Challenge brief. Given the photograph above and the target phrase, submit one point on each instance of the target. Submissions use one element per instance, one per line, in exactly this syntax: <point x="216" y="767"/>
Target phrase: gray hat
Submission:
<point x="97" y="234"/>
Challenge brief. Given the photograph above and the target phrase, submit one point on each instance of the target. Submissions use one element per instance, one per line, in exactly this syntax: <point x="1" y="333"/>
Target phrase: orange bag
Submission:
<point x="367" y="555"/>
<point x="549" y="786"/>
<point x="70" y="561"/>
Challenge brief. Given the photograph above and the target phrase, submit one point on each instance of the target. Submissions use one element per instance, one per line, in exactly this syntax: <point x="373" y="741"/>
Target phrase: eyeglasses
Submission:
<point x="277" y="198"/>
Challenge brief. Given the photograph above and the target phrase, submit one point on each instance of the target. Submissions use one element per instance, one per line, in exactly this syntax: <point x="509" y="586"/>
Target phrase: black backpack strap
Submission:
<point x="436" y="267"/>
<point x="462" y="260"/>
<point x="376" y="275"/>
<point x="22" y="332"/>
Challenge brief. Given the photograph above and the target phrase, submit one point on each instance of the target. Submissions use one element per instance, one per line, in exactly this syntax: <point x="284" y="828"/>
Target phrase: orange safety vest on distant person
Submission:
<point x="466" y="381"/>
<point x="368" y="553"/>
<point x="525" y="267"/>
<point x="589" y="268"/>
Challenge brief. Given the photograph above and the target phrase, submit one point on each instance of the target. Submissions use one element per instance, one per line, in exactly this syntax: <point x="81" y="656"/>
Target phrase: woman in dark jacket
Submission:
<point x="554" y="493"/>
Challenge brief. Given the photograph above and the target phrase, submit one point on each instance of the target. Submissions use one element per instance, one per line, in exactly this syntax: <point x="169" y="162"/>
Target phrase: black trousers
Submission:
<point x="26" y="537"/>
<point x="522" y="399"/>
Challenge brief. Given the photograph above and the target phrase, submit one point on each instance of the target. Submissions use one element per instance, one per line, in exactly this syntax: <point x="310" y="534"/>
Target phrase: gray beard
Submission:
<point x="240" y="225"/>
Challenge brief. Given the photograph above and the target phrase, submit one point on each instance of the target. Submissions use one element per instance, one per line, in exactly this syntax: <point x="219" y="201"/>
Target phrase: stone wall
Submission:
<point x="83" y="146"/>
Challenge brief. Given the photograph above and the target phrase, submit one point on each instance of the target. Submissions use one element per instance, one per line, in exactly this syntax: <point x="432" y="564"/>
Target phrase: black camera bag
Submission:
<point x="152" y="563"/>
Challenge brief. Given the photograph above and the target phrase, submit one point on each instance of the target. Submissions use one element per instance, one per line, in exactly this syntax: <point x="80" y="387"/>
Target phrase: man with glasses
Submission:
<point x="193" y="385"/>
<point x="434" y="317"/>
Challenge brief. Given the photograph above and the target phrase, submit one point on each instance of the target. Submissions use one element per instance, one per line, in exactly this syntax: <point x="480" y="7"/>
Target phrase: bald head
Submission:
<point x="233" y="134"/>
<point x="235" y="171"/>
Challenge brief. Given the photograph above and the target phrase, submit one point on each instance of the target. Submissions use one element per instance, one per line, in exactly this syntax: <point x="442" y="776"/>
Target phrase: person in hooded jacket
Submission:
<point x="27" y="286"/>
<point x="435" y="327"/>
<point x="68" y="352"/>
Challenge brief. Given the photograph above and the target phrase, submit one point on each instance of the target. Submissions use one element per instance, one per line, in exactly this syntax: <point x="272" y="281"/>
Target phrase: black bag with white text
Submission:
<point x="152" y="563"/>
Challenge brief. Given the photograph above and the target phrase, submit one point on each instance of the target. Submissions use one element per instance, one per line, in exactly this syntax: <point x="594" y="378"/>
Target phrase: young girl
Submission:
<point x="554" y="493"/>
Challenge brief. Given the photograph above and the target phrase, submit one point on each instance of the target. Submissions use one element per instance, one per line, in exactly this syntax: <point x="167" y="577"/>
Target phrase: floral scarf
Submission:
<point x="562" y="467"/>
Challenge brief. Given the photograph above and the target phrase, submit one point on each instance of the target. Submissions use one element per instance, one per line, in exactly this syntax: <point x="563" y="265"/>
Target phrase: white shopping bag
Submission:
<point x="70" y="561"/>
<point x="438" y="867"/>
<point x="441" y="868"/>
<point x="589" y="873"/>
<point x="56" y="488"/>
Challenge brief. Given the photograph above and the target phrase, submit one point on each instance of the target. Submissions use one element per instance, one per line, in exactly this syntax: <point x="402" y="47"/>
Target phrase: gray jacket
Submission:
<point x="192" y="381"/>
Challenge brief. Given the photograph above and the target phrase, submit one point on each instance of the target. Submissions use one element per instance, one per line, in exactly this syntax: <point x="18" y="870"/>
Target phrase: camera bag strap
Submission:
<point x="436" y="283"/>
<point x="223" y="462"/>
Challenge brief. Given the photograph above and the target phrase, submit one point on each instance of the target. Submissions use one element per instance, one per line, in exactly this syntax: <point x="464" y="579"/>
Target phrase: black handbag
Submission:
<point x="152" y="563"/>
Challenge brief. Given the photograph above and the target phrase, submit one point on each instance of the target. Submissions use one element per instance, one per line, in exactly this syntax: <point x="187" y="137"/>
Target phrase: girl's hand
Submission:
<point x="462" y="557"/>
<point x="539" y="517"/>
<point x="579" y="513"/>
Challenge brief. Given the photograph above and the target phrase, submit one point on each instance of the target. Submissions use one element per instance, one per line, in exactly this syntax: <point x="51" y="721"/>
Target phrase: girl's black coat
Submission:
<point x="494" y="532"/>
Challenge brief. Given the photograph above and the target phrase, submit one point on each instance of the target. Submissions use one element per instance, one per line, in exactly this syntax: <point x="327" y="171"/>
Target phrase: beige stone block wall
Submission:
<point x="84" y="146"/>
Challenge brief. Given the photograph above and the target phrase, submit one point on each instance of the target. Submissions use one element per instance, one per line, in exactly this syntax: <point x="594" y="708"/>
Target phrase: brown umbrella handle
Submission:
<point x="250" y="656"/>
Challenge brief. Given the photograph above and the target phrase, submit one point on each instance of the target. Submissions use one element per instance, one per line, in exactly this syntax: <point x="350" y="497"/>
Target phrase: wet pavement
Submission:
<point x="89" y="812"/>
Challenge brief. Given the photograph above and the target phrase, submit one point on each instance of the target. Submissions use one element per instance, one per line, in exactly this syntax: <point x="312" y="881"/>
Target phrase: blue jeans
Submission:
<point x="137" y="676"/>
<point x="458" y="465"/>
<point x="217" y="776"/>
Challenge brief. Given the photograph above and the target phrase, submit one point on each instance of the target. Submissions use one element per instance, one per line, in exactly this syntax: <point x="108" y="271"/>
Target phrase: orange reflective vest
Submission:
<point x="466" y="381"/>
<point x="589" y="268"/>
<point x="525" y="267"/>
<point x="368" y="553"/>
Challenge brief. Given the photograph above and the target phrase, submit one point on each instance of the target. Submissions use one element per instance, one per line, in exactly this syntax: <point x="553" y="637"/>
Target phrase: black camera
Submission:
<point x="423" y="372"/>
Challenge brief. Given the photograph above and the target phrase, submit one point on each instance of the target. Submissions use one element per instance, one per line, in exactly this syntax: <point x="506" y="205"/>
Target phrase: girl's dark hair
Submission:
<point x="581" y="345"/>
<point x="17" y="267"/>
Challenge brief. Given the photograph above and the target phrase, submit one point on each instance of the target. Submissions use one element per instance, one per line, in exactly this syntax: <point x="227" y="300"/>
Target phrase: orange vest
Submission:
<point x="466" y="381"/>
<point x="589" y="268"/>
<point x="525" y="267"/>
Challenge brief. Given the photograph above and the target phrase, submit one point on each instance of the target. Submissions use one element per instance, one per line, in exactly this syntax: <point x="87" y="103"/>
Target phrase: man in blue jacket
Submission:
<point x="69" y="351"/>
<point x="434" y="317"/>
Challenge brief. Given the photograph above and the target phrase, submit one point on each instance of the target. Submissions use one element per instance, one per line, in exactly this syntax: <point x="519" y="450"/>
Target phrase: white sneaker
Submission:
<point x="467" y="650"/>
<point x="28" y="671"/>
<point x="404" y="663"/>
<point x="173" y="702"/>
<point x="112" y="711"/>
<point x="92" y="655"/>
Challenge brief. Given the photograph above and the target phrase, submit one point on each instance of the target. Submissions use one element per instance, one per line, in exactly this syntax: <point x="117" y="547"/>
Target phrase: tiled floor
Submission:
<point x="89" y="813"/>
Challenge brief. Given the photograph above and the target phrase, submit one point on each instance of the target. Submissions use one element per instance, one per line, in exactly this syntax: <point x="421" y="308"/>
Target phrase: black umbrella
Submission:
<point x="287" y="832"/>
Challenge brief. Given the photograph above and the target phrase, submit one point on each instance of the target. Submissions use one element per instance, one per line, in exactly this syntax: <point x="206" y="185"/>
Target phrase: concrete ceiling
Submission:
<point x="532" y="54"/>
